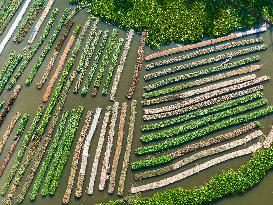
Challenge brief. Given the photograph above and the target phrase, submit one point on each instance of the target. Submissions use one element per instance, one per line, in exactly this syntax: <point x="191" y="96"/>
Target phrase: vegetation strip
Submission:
<point x="19" y="133"/>
<point x="203" y="112"/>
<point x="206" y="96"/>
<point x="117" y="154"/>
<point x="197" y="169"/>
<point x="205" y="43"/>
<point x="198" y="91"/>
<point x="13" y="26"/>
<point x="204" y="131"/>
<point x="192" y="125"/>
<point x="112" y="66"/>
<point x="9" y="103"/>
<point x="29" y="52"/>
<point x="94" y="170"/>
<point x="89" y="52"/>
<point x="166" y="158"/>
<point x="167" y="71"/>
<point x="22" y="150"/>
<point x="61" y="64"/>
<point x="205" y="51"/>
<point x="201" y="154"/>
<point x="138" y="66"/>
<point x="214" y="78"/>
<point x="76" y="157"/>
<point x="69" y="136"/>
<point x="85" y="151"/>
<point x="128" y="149"/>
<point x="45" y="164"/>
<point x="8" y="130"/>
<point x="40" y="21"/>
<point x="8" y="69"/>
<point x="95" y="63"/>
<point x="105" y="61"/>
<point x="201" y="73"/>
<point x="106" y="160"/>
<point x="121" y="65"/>
<point x="206" y="103"/>
<point x="28" y="20"/>
<point x="55" y="54"/>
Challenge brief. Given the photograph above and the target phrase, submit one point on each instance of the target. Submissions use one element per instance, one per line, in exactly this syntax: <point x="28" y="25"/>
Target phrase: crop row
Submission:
<point x="205" y="131"/>
<point x="112" y="66"/>
<point x="129" y="143"/>
<point x="206" y="61"/>
<point x="166" y="158"/>
<point x="109" y="145"/>
<point x="174" y="131"/>
<point x="45" y="142"/>
<point x="28" y="20"/>
<point x="198" y="91"/>
<point x="196" y="169"/>
<point x="10" y="9"/>
<point x="203" y="112"/>
<point x="76" y="157"/>
<point x="9" y="69"/>
<point x="205" y="43"/>
<point x="61" y="64"/>
<point x="206" y="96"/>
<point x="69" y="136"/>
<point x="203" y="104"/>
<point x="105" y="61"/>
<point x="90" y="52"/>
<point x="44" y="53"/>
<point x="29" y="52"/>
<point x="19" y="133"/>
<point x="202" y="81"/>
<point x="8" y="130"/>
<point x="46" y="162"/>
<point x="55" y="54"/>
<point x="205" y="51"/>
<point x="201" y="73"/>
<point x="22" y="150"/>
<point x="138" y="66"/>
<point x="86" y="147"/>
<point x="121" y="65"/>
<point x="40" y="21"/>
<point x="9" y="103"/>
<point x="122" y="121"/>
<point x="94" y="170"/>
<point x="95" y="63"/>
<point x="201" y="154"/>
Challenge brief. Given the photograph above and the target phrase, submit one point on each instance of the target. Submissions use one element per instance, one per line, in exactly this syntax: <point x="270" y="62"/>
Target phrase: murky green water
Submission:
<point x="30" y="97"/>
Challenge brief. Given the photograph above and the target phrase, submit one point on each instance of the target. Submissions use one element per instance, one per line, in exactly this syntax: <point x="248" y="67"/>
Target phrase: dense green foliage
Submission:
<point x="181" y="20"/>
<point x="227" y="183"/>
